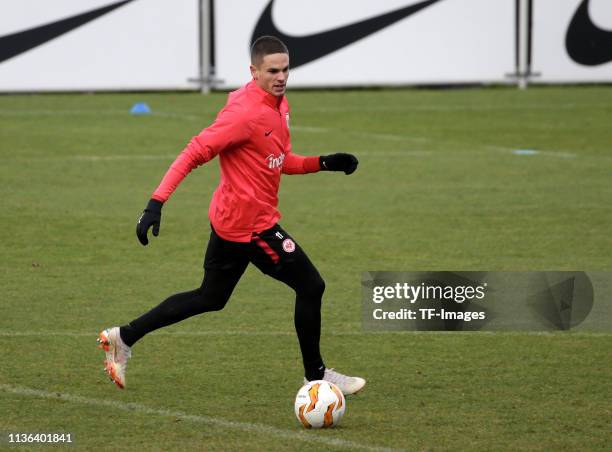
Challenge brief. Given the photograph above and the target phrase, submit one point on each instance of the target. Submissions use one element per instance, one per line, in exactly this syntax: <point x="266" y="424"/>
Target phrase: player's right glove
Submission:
<point x="339" y="162"/>
<point x="150" y="217"/>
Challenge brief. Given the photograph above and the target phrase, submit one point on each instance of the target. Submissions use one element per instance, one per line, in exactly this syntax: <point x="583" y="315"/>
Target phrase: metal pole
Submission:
<point x="523" y="24"/>
<point x="205" y="80"/>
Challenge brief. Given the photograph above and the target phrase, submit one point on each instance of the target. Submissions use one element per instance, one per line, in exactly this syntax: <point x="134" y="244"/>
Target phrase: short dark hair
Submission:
<point x="266" y="45"/>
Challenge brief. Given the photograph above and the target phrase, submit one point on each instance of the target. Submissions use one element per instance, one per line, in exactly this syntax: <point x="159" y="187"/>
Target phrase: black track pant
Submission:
<point x="276" y="254"/>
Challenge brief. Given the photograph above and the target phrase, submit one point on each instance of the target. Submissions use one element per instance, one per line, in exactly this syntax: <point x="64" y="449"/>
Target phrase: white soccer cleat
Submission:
<point x="348" y="385"/>
<point x="117" y="355"/>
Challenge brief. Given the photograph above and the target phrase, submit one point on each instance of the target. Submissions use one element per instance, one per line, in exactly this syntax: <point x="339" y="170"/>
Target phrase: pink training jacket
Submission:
<point x="251" y="137"/>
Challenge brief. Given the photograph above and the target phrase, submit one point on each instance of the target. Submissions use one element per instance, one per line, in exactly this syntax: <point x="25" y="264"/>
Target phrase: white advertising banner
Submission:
<point x="356" y="43"/>
<point x="80" y="45"/>
<point x="572" y="41"/>
<point x="98" y="44"/>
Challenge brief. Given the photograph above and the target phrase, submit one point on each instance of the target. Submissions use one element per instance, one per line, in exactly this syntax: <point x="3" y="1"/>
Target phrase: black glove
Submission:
<point x="339" y="162"/>
<point x="150" y="217"/>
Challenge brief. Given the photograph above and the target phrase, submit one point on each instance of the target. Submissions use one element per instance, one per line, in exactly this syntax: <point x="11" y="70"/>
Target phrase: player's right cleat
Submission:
<point x="348" y="385"/>
<point x="117" y="355"/>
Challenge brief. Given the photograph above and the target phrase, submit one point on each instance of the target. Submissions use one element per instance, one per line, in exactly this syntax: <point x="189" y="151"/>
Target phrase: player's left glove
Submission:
<point x="339" y="162"/>
<point x="150" y="217"/>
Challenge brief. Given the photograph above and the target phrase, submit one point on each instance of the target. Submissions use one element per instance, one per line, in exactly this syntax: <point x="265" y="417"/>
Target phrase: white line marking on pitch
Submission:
<point x="389" y="153"/>
<point x="380" y="136"/>
<point x="94" y="334"/>
<point x="122" y="157"/>
<point x="406" y="153"/>
<point x="307" y="129"/>
<point x="310" y="129"/>
<point x="458" y="107"/>
<point x="113" y="157"/>
<point x="307" y="437"/>
<point x="118" y="113"/>
<point x="160" y="333"/>
<point x="546" y="153"/>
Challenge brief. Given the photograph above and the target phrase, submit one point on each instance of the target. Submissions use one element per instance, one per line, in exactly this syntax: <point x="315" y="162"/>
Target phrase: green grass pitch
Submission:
<point x="438" y="188"/>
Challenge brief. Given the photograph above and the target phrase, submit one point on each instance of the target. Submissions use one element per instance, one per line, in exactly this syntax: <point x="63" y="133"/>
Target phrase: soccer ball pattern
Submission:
<point x="319" y="404"/>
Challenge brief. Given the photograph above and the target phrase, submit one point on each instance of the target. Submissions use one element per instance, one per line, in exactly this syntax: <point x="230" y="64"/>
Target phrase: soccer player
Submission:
<point x="251" y="137"/>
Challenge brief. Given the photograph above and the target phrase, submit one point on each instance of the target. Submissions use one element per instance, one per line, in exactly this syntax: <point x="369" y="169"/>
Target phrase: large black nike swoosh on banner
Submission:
<point x="22" y="41"/>
<point x="585" y="42"/>
<point x="304" y="49"/>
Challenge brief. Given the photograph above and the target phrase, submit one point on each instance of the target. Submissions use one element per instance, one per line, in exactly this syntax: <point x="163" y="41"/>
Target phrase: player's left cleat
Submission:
<point x="348" y="385"/>
<point x="117" y="355"/>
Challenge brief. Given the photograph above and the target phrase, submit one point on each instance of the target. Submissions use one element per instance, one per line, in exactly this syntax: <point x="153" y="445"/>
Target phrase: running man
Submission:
<point x="251" y="137"/>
